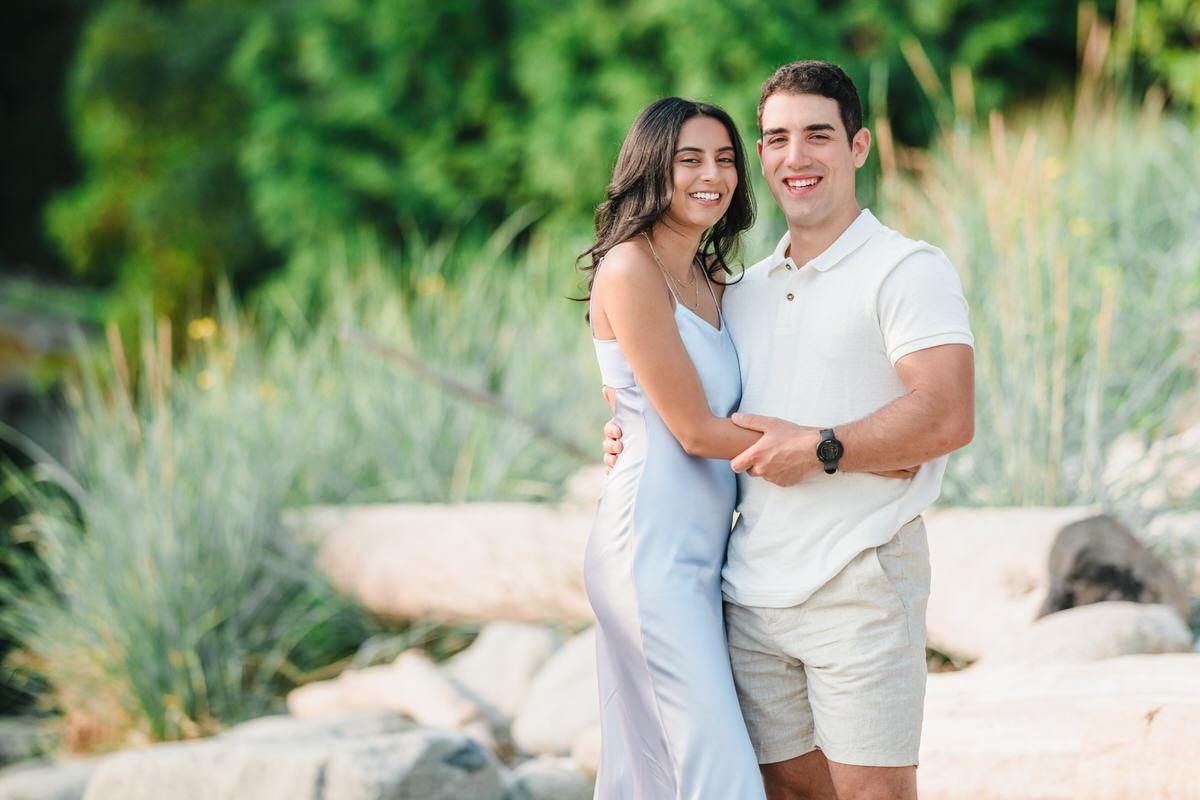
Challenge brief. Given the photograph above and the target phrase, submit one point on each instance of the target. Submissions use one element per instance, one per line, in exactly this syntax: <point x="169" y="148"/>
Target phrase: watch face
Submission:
<point x="829" y="450"/>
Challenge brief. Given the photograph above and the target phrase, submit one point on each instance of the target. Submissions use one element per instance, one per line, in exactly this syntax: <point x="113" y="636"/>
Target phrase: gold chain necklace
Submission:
<point x="694" y="284"/>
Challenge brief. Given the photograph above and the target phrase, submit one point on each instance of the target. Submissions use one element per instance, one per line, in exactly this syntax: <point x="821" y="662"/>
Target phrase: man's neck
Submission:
<point x="806" y="243"/>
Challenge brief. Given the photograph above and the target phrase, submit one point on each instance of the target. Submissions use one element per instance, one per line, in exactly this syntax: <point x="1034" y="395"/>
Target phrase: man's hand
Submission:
<point x="785" y="455"/>
<point x="612" y="433"/>
<point x="612" y="444"/>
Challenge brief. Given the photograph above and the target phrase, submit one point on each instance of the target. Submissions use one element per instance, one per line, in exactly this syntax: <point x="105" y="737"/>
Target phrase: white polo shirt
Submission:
<point x="818" y="343"/>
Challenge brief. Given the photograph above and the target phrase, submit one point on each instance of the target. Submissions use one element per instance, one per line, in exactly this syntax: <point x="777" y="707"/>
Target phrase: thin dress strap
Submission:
<point x="713" y="294"/>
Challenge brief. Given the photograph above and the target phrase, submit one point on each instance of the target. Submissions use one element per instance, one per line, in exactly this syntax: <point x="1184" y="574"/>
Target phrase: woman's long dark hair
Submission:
<point x="643" y="184"/>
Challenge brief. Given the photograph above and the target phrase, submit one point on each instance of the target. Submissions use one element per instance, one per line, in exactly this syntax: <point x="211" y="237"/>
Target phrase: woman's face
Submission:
<point x="704" y="174"/>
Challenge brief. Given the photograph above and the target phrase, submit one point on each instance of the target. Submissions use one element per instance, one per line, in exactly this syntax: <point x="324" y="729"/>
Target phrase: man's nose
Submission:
<point x="798" y="155"/>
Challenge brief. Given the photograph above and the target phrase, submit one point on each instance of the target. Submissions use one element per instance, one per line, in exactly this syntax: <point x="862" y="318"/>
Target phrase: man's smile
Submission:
<point x="801" y="184"/>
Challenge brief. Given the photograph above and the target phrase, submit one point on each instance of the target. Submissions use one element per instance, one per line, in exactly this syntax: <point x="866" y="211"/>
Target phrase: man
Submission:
<point x="856" y="358"/>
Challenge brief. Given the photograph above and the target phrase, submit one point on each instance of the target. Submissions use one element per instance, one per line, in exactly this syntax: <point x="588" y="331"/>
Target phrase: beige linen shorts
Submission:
<point x="844" y="671"/>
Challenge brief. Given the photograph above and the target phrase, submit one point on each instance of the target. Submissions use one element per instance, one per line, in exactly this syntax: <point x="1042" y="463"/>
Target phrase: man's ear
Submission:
<point x="860" y="146"/>
<point x="761" y="166"/>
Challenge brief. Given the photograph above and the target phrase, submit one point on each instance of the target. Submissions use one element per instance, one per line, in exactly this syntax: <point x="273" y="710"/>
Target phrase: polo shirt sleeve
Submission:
<point x="921" y="305"/>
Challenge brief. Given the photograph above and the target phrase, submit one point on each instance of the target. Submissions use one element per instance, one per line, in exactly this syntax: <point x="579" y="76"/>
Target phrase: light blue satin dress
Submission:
<point x="671" y="728"/>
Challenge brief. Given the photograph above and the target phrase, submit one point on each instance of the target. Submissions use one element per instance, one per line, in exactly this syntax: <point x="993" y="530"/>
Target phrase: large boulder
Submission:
<point x="563" y="700"/>
<point x="476" y="562"/>
<point x="380" y="757"/>
<point x="1037" y="732"/>
<point x="1093" y="632"/>
<point x="996" y="571"/>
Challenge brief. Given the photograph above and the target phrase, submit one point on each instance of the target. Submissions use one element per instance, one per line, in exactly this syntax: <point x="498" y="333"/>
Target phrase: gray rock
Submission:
<point x="363" y="757"/>
<point x="563" y="700"/>
<point x="61" y="780"/>
<point x="23" y="738"/>
<point x="549" y="779"/>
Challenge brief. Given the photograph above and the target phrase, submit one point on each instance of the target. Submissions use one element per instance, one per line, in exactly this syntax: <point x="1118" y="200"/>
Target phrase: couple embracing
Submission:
<point x="784" y="658"/>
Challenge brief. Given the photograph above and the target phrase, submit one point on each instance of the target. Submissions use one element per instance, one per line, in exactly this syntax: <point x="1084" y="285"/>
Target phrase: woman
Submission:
<point x="679" y="199"/>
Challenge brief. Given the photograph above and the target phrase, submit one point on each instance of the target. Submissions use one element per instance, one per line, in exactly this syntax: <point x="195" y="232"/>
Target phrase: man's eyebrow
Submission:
<point x="816" y="126"/>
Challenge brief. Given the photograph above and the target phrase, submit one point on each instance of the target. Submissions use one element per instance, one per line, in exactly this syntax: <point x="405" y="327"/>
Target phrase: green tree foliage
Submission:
<point x="376" y="112"/>
<point x="226" y="135"/>
<point x="1167" y="43"/>
<point x="162" y="210"/>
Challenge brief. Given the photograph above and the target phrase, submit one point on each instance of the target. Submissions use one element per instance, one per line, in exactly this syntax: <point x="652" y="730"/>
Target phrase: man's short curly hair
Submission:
<point x="816" y="77"/>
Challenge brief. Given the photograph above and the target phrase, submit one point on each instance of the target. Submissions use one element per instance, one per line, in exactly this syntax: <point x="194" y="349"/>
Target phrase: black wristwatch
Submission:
<point x="829" y="451"/>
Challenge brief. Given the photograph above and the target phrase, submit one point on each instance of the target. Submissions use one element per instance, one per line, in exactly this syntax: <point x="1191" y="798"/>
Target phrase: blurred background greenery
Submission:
<point x="208" y="203"/>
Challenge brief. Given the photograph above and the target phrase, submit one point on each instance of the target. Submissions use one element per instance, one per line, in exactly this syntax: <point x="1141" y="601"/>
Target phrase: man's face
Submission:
<point x="807" y="160"/>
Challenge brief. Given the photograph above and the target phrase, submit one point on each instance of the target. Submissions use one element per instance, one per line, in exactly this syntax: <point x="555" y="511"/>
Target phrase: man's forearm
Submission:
<point x="910" y="430"/>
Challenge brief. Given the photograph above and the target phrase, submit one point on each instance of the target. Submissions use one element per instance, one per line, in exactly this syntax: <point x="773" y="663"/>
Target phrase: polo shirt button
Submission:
<point x="791" y="296"/>
<point x="789" y="266"/>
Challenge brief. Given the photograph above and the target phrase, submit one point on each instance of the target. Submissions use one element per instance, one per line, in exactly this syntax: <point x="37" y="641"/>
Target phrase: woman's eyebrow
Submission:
<point x="728" y="147"/>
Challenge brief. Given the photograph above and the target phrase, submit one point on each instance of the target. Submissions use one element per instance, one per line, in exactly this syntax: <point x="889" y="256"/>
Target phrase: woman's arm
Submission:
<point x="631" y="294"/>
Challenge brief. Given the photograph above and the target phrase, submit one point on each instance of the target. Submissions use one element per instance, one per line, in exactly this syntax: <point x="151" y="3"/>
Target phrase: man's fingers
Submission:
<point x="744" y="460"/>
<point x="898" y="473"/>
<point x="612" y="446"/>
<point x="610" y="396"/>
<point x="612" y="430"/>
<point x="610" y="461"/>
<point x="754" y="422"/>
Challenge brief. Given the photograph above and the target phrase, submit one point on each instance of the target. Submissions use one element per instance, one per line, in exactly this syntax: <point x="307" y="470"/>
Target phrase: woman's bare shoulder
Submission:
<point x="626" y="264"/>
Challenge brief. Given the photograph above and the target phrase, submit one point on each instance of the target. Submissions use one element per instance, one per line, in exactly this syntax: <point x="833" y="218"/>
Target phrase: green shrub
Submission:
<point x="1076" y="238"/>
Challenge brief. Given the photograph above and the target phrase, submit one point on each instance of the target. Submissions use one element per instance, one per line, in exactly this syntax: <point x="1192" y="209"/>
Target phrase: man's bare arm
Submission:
<point x="935" y="417"/>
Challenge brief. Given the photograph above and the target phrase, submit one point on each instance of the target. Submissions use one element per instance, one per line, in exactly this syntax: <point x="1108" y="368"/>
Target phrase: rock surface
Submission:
<point x="498" y="668"/>
<point x="563" y="700"/>
<point x="411" y="685"/>
<point x="1093" y="632"/>
<point x="1034" y="732"/>
<point x="60" y="780"/>
<point x="376" y="757"/>
<point x="586" y="750"/>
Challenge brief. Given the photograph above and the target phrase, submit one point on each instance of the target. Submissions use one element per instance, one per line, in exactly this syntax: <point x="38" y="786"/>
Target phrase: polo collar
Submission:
<point x="863" y="228"/>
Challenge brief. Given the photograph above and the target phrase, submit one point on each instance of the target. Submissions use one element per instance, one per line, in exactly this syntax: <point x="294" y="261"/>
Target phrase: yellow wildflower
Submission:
<point x="428" y="285"/>
<point x="1052" y="168"/>
<point x="202" y="328"/>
